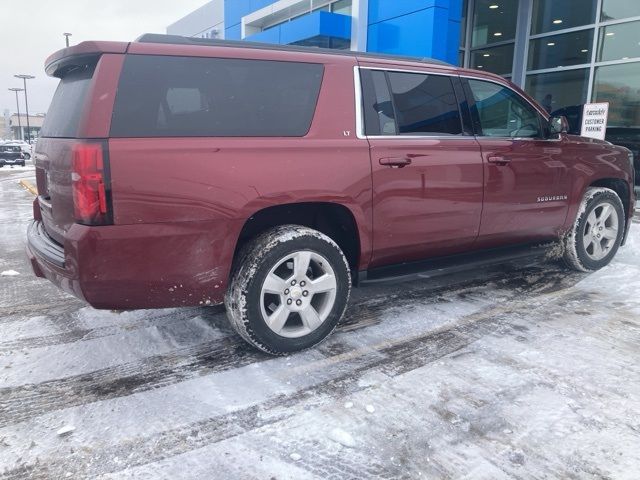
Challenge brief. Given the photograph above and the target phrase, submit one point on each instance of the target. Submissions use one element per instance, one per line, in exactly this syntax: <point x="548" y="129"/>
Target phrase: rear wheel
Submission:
<point x="597" y="232"/>
<point x="289" y="289"/>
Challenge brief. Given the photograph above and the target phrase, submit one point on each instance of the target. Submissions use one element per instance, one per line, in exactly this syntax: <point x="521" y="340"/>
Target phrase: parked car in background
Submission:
<point x="175" y="171"/>
<point x="627" y="137"/>
<point x="11" y="155"/>
<point x="24" y="147"/>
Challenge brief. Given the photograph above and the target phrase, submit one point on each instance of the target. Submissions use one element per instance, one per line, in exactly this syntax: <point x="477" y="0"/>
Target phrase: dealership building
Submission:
<point x="563" y="52"/>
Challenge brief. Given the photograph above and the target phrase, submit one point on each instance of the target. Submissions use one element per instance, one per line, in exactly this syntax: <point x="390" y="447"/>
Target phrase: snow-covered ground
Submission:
<point x="531" y="373"/>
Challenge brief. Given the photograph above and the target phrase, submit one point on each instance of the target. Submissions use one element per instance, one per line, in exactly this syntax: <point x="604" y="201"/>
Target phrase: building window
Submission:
<point x="619" y="42"/>
<point x="495" y="59"/>
<point x="561" y="50"/>
<point x="620" y="86"/>
<point x="619" y="9"/>
<point x="561" y="93"/>
<point x="552" y="15"/>
<point x="494" y="21"/>
<point x="342" y="7"/>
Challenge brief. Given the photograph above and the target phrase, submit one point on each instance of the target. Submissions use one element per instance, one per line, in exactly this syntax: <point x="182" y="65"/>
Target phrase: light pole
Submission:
<point x="66" y="37"/>
<point x="18" y="107"/>
<point x="26" y="102"/>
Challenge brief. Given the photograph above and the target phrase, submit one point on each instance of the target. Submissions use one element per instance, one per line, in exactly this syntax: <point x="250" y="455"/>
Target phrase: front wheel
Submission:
<point x="289" y="289"/>
<point x="597" y="232"/>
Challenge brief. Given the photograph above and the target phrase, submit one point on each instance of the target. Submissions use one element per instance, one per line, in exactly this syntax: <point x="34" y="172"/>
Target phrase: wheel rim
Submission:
<point x="600" y="231"/>
<point x="298" y="294"/>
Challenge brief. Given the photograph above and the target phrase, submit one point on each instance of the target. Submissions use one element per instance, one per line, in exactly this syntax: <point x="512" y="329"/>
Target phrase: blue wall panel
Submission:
<point x="380" y="10"/>
<point x="232" y="33"/>
<point x="316" y="24"/>
<point x="419" y="28"/>
<point x="271" y="35"/>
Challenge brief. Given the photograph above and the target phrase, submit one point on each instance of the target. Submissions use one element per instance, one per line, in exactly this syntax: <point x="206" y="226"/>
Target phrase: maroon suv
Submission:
<point x="175" y="171"/>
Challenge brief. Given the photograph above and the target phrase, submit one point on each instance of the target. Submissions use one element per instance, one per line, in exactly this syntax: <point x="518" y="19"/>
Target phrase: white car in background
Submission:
<point x="24" y="146"/>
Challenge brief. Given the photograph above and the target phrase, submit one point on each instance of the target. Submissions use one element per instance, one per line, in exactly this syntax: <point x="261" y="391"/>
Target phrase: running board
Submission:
<point x="519" y="256"/>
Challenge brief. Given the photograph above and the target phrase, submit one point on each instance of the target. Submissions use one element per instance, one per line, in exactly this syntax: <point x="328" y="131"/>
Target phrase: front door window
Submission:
<point x="500" y="112"/>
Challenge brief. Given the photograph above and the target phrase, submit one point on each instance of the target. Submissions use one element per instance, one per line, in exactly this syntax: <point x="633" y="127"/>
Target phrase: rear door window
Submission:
<point x="170" y="96"/>
<point x="399" y="103"/>
<point x="424" y="104"/>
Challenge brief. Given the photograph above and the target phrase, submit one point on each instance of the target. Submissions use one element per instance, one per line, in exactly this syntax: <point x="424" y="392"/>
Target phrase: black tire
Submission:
<point x="255" y="261"/>
<point x="575" y="253"/>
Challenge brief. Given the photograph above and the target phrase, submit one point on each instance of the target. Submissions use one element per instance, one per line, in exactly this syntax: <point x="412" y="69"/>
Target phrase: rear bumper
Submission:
<point x="135" y="266"/>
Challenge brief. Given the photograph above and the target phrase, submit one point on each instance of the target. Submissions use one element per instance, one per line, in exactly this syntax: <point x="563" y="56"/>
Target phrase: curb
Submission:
<point x="29" y="186"/>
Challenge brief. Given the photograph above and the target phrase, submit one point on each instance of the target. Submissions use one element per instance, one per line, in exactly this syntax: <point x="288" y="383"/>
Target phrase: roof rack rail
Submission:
<point x="212" y="42"/>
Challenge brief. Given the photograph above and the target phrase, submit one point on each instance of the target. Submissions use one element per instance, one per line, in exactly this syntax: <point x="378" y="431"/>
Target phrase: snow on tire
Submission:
<point x="289" y="289"/>
<point x="597" y="232"/>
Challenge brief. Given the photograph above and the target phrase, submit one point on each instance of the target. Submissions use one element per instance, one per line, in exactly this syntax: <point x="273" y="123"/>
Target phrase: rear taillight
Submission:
<point x="90" y="183"/>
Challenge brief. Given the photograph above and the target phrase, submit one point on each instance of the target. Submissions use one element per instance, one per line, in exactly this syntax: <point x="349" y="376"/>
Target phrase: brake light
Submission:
<point x="89" y="184"/>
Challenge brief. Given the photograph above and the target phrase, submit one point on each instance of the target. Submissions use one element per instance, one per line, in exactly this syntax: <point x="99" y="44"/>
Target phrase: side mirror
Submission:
<point x="558" y="125"/>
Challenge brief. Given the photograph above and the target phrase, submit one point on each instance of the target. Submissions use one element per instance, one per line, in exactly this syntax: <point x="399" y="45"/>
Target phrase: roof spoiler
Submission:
<point x="80" y="52"/>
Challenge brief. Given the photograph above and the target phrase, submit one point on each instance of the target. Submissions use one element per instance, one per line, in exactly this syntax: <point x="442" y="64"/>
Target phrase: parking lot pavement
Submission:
<point x="512" y="374"/>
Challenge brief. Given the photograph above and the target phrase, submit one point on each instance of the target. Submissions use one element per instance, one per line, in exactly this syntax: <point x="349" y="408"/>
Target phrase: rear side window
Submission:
<point x="169" y="96"/>
<point x="398" y="103"/>
<point x="68" y="102"/>
<point x="425" y="104"/>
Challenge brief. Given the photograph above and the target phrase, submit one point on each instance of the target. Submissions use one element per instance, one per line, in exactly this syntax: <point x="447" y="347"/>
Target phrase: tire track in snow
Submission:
<point x="391" y="358"/>
<point x="18" y="404"/>
<point x="73" y="331"/>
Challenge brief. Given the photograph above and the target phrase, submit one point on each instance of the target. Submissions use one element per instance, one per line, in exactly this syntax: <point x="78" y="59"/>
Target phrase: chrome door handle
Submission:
<point x="498" y="160"/>
<point x="397" y="162"/>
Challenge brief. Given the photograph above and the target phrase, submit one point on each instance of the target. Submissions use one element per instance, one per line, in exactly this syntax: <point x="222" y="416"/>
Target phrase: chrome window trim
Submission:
<point x="422" y="137"/>
<point x="358" y="99"/>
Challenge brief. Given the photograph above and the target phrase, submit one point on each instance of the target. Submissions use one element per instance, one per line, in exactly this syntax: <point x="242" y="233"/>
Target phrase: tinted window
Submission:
<point x="499" y="112"/>
<point x="66" y="107"/>
<point x="424" y="104"/>
<point x="378" y="109"/>
<point x="192" y="96"/>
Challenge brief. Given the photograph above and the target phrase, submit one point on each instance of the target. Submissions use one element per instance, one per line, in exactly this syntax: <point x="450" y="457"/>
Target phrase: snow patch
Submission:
<point x="342" y="437"/>
<point x="9" y="273"/>
<point x="66" y="430"/>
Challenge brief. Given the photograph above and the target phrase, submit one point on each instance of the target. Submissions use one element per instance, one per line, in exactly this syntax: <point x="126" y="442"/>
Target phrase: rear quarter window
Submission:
<point x="171" y="96"/>
<point x="63" y="116"/>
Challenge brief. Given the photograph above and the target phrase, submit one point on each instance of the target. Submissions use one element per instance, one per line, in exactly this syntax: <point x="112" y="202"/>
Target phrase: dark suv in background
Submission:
<point x="628" y="137"/>
<point x="11" y="155"/>
<point x="174" y="171"/>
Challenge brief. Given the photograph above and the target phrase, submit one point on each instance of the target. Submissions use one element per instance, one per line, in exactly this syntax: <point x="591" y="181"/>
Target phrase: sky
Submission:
<point x="32" y="30"/>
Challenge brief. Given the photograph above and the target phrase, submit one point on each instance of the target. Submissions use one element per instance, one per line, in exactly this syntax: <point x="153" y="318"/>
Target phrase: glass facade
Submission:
<point x="620" y="86"/>
<point x="494" y="59"/>
<point x="564" y="53"/>
<point x="552" y="15"/>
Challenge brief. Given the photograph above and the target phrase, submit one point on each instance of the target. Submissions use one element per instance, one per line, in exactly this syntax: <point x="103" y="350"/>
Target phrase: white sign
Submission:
<point x="594" y="120"/>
